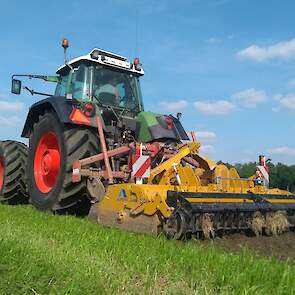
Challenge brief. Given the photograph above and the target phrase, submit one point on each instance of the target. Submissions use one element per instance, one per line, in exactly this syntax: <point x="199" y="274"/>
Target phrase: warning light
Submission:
<point x="89" y="109"/>
<point x="136" y="61"/>
<point x="137" y="64"/>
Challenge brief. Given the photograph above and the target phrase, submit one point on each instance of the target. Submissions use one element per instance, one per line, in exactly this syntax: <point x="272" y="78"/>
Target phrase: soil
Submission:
<point x="281" y="247"/>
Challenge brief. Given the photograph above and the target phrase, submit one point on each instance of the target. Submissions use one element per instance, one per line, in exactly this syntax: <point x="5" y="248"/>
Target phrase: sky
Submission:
<point x="227" y="65"/>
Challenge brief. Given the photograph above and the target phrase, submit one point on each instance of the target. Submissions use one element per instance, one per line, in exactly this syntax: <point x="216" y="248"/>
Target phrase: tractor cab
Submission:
<point x="103" y="78"/>
<point x="105" y="85"/>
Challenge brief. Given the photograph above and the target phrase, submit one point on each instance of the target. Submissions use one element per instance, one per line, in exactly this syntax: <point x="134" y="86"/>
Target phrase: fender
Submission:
<point x="59" y="104"/>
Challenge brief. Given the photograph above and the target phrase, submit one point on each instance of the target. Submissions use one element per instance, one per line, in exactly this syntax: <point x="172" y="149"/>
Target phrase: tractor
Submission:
<point x="93" y="150"/>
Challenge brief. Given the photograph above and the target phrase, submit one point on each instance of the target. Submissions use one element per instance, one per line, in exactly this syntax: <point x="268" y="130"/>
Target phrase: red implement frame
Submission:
<point x="152" y="149"/>
<point x="78" y="171"/>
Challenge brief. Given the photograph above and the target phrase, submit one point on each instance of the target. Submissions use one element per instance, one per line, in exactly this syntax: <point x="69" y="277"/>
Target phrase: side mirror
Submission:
<point x="16" y="86"/>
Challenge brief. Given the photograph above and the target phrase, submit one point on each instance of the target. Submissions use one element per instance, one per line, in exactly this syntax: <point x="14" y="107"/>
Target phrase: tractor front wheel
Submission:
<point x="53" y="149"/>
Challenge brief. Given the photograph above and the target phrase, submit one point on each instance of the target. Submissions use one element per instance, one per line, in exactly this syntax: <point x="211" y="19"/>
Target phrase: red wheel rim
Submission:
<point x="47" y="162"/>
<point x="1" y="173"/>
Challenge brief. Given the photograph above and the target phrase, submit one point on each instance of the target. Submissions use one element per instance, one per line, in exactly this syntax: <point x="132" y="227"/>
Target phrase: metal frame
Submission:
<point x="108" y="173"/>
<point x="105" y="155"/>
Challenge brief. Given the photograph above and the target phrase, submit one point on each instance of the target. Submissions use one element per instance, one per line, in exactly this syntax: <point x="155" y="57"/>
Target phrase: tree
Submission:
<point x="247" y="169"/>
<point x="280" y="175"/>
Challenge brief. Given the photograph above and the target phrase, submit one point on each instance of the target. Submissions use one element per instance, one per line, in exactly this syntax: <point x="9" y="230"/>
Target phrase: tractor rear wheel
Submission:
<point x="13" y="161"/>
<point x="53" y="149"/>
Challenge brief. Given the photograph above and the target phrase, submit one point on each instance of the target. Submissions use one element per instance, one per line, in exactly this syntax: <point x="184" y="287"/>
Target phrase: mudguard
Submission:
<point x="59" y="104"/>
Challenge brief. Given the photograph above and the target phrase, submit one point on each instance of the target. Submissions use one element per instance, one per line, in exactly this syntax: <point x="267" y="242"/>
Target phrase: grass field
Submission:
<point x="45" y="254"/>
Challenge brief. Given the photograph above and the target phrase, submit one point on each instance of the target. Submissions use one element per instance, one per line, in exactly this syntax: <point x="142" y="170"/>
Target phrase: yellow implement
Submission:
<point x="180" y="199"/>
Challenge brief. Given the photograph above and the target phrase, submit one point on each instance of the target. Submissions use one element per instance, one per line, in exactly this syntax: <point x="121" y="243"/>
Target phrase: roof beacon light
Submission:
<point x="65" y="44"/>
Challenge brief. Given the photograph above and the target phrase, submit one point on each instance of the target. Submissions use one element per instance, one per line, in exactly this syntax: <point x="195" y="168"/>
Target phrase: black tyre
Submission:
<point x="13" y="161"/>
<point x="53" y="148"/>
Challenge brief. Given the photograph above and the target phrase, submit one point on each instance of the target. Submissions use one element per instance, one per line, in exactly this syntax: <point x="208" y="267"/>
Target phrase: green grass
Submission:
<point x="45" y="254"/>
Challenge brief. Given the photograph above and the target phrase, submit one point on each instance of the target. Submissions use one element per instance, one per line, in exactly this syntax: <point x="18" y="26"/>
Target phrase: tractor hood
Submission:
<point x="156" y="127"/>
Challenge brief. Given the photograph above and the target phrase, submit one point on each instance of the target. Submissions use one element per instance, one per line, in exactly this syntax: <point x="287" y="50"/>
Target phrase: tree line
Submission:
<point x="280" y="175"/>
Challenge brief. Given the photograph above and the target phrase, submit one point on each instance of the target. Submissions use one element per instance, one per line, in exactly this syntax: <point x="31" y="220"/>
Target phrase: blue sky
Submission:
<point x="227" y="65"/>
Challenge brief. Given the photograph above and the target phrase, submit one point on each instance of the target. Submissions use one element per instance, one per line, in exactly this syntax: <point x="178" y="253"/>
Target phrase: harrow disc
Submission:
<point x="176" y="226"/>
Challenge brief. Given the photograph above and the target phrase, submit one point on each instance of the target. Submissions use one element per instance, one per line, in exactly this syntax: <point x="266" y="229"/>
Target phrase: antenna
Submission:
<point x="136" y="29"/>
<point x="65" y="45"/>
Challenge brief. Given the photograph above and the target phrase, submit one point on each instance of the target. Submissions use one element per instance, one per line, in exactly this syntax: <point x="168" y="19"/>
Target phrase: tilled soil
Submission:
<point x="281" y="247"/>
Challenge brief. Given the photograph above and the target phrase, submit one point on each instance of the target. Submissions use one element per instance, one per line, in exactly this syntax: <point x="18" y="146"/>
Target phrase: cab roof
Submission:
<point x="107" y="58"/>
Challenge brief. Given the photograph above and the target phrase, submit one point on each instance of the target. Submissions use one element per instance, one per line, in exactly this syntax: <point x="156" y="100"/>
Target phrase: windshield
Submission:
<point x="106" y="87"/>
<point x="116" y="89"/>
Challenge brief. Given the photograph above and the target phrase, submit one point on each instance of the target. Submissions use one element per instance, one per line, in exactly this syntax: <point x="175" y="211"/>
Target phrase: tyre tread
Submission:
<point x="14" y="187"/>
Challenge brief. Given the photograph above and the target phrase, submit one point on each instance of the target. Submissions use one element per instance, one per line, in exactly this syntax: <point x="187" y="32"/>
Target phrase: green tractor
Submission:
<point x="62" y="128"/>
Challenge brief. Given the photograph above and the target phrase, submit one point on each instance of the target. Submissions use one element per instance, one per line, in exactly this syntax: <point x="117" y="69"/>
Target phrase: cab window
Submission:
<point x="80" y="86"/>
<point x="62" y="86"/>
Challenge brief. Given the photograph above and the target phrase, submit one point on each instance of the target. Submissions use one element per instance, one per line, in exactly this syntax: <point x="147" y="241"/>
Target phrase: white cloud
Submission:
<point x="282" y="50"/>
<point x="219" y="107"/>
<point x="207" y="149"/>
<point x="285" y="101"/>
<point x="283" y="150"/>
<point x="13" y="121"/>
<point x="7" y="106"/>
<point x="291" y="83"/>
<point x="277" y="97"/>
<point x="206" y="135"/>
<point x="249" y="98"/>
<point x="174" y="105"/>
